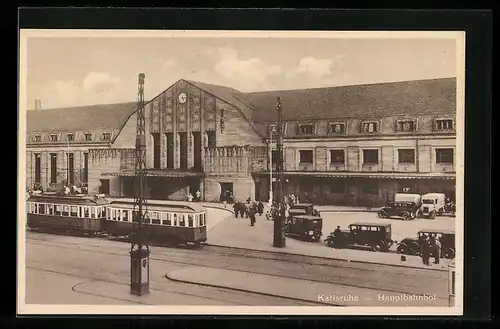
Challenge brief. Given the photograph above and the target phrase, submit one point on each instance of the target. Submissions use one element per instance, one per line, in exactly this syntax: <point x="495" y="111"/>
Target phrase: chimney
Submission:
<point x="38" y="104"/>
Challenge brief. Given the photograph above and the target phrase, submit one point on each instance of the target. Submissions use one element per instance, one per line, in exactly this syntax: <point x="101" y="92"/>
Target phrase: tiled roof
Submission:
<point x="71" y="119"/>
<point x="360" y="101"/>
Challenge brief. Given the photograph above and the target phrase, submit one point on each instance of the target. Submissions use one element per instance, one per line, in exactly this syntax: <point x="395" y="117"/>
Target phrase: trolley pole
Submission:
<point x="139" y="249"/>
<point x="279" y="220"/>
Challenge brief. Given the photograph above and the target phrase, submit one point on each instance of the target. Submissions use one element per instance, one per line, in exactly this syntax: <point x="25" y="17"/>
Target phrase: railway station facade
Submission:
<point x="355" y="145"/>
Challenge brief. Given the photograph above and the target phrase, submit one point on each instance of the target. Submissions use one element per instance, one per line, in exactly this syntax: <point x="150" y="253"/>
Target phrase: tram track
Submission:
<point x="348" y="276"/>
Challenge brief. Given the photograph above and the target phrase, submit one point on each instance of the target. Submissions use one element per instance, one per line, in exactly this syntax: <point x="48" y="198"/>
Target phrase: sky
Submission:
<point x="65" y="72"/>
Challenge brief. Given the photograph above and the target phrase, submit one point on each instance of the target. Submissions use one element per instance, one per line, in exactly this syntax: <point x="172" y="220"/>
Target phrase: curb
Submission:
<point x="250" y="291"/>
<point x="330" y="258"/>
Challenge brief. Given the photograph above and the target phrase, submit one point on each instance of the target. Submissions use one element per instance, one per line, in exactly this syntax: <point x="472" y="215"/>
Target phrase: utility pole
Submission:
<point x="139" y="249"/>
<point x="270" y="154"/>
<point x="279" y="220"/>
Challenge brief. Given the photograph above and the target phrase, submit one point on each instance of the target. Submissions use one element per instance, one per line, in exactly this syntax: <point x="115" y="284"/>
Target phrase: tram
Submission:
<point x="168" y="222"/>
<point x="70" y="213"/>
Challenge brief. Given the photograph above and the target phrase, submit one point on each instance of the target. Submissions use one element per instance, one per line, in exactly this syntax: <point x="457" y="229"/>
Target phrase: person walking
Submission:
<point x="425" y="251"/>
<point x="251" y="215"/>
<point x="260" y="208"/>
<point x="436" y="250"/>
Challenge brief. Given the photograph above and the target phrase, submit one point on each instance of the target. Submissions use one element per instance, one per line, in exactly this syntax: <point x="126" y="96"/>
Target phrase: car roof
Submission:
<point x="369" y="224"/>
<point x="304" y="204"/>
<point x="437" y="231"/>
<point x="308" y="217"/>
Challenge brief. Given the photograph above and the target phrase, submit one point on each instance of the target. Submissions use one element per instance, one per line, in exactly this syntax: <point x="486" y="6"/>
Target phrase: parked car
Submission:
<point x="432" y="205"/>
<point x="409" y="197"/>
<point x="377" y="236"/>
<point x="305" y="227"/>
<point x="406" y="210"/>
<point x="412" y="246"/>
<point x="307" y="207"/>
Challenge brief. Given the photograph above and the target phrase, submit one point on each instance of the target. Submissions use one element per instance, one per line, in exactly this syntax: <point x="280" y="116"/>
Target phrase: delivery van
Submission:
<point x="432" y="205"/>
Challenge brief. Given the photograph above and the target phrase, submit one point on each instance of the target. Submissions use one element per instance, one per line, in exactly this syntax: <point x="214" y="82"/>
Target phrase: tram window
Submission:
<point x="86" y="212"/>
<point x="113" y="214"/>
<point x="103" y="212"/>
<point x="58" y="210"/>
<point x="182" y="221"/>
<point x="41" y="209"/>
<point x="125" y="216"/>
<point x="190" y="220"/>
<point x="119" y="215"/>
<point x="175" y="219"/>
<point x="65" y="211"/>
<point x="155" y="221"/>
<point x="168" y="221"/>
<point x="74" y="211"/>
<point x="50" y="209"/>
<point x="154" y="215"/>
<point x="92" y="212"/>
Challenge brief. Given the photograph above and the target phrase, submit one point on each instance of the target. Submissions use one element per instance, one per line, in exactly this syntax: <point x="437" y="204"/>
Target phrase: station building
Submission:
<point x="352" y="145"/>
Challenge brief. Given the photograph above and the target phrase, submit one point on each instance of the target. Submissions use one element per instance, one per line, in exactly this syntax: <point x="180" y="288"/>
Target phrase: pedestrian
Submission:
<point x="198" y="196"/>
<point x="251" y="215"/>
<point x="236" y="209"/>
<point x="425" y="251"/>
<point x="260" y="208"/>
<point x="190" y="197"/>
<point x="436" y="250"/>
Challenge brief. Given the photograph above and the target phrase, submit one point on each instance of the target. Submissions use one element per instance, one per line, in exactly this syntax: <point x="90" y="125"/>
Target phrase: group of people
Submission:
<point x="430" y="247"/>
<point x="66" y="189"/>
<point x="196" y="198"/>
<point x="248" y="209"/>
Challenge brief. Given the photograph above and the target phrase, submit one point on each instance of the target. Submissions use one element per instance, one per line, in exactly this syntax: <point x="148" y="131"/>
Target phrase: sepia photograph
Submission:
<point x="241" y="172"/>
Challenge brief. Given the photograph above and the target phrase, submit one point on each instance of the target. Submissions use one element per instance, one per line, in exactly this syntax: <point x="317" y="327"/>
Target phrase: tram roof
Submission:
<point x="159" y="205"/>
<point x="68" y="199"/>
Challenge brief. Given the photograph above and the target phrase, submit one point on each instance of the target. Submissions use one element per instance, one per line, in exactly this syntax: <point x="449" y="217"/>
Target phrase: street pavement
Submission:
<point x="93" y="271"/>
<point x="237" y="233"/>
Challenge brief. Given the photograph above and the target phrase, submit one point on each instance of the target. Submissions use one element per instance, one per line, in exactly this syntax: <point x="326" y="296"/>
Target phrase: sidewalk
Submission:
<point x="320" y="293"/>
<point x="237" y="233"/>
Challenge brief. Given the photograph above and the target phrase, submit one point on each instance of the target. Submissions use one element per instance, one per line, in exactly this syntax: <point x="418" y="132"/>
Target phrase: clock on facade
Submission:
<point x="182" y="98"/>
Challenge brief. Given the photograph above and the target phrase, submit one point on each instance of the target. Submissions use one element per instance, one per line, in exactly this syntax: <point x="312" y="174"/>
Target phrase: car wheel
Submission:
<point x="449" y="254"/>
<point x="377" y="247"/>
<point x="381" y="215"/>
<point x="330" y="243"/>
<point x="406" y="216"/>
<point x="403" y="250"/>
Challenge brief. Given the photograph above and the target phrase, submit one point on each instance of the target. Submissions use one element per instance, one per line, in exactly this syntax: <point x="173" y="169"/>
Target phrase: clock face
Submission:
<point x="182" y="98"/>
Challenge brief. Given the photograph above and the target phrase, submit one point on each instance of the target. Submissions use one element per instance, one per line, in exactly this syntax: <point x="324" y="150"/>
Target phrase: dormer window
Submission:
<point x="54" y="137"/>
<point x="88" y="136"/>
<point x="306" y="129"/>
<point x="406" y="125"/>
<point x="37" y="138"/>
<point x="444" y="124"/>
<point x="370" y="127"/>
<point x="70" y="137"/>
<point x="336" y="128"/>
<point x="106" y="136"/>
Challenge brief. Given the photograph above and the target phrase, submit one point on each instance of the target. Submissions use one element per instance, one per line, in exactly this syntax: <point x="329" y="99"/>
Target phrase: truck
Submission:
<point x="432" y="205"/>
<point x="410" y="197"/>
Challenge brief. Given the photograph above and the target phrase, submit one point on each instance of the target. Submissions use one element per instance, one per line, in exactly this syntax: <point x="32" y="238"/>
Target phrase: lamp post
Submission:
<point x="279" y="219"/>
<point x="271" y="130"/>
<point x="139" y="249"/>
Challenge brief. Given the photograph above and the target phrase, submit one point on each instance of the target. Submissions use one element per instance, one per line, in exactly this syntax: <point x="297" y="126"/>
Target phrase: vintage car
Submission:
<point x="433" y="205"/>
<point x="307" y="207"/>
<point x="404" y="209"/>
<point x="377" y="236"/>
<point x="305" y="227"/>
<point x="411" y="246"/>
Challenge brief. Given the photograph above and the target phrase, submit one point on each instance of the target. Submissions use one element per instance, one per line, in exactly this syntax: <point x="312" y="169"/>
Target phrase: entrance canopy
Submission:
<point x="167" y="173"/>
<point x="379" y="175"/>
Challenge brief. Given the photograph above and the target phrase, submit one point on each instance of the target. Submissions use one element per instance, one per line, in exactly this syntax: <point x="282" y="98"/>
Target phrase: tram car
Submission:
<point x="169" y="221"/>
<point x="69" y="213"/>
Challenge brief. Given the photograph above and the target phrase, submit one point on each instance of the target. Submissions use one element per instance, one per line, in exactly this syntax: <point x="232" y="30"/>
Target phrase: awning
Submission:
<point x="377" y="175"/>
<point x="156" y="173"/>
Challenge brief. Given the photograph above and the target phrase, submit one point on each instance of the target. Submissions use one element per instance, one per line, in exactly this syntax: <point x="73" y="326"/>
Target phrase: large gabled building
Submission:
<point x="344" y="145"/>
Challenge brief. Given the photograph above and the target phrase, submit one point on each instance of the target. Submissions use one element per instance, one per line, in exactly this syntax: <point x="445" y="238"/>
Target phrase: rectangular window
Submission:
<point x="370" y="127"/>
<point x="106" y="136"/>
<point x="336" y="128"/>
<point x="211" y="141"/>
<point x="406" y="125"/>
<point x="190" y="220"/>
<point x="37" y="138"/>
<point x="65" y="211"/>
<point x="74" y="211"/>
<point x="88" y="136"/>
<point x="70" y="137"/>
<point x="444" y="124"/>
<point x="125" y="216"/>
<point x="38" y="168"/>
<point x="53" y="168"/>
<point x="71" y="168"/>
<point x="85" y="174"/>
<point x="306" y="129"/>
<point x="370" y="187"/>
<point x="406" y="156"/>
<point x="41" y="209"/>
<point x="50" y="209"/>
<point x="337" y="156"/>
<point x="370" y="156"/>
<point x="444" y="156"/>
<point x="92" y="212"/>
<point x="58" y="210"/>
<point x="54" y="137"/>
<point x="306" y="156"/>
<point x="182" y="221"/>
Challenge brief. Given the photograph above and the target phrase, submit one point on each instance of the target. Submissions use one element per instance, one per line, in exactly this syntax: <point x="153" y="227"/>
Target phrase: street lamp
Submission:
<point x="139" y="250"/>
<point x="279" y="219"/>
<point x="271" y="131"/>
